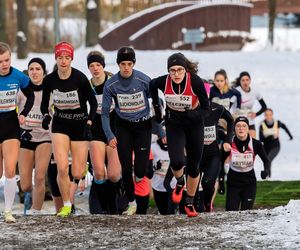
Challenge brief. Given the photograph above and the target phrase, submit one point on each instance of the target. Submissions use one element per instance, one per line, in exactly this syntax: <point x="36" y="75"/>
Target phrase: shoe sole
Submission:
<point x="10" y="221"/>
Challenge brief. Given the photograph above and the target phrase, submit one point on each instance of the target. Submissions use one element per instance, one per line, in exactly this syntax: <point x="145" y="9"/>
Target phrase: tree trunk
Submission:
<point x="92" y="22"/>
<point x="3" y="33"/>
<point x="272" y="16"/>
<point x="22" y="32"/>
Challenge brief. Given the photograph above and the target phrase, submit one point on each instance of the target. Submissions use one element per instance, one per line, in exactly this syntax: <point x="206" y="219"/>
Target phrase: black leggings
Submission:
<point x="142" y="203"/>
<point x="272" y="150"/>
<point x="102" y="198"/>
<point x="189" y="137"/>
<point x="240" y="197"/>
<point x="163" y="202"/>
<point x="210" y="167"/>
<point x="133" y="137"/>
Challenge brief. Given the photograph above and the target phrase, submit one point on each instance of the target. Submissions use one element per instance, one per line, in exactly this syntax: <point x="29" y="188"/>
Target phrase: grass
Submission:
<point x="270" y="194"/>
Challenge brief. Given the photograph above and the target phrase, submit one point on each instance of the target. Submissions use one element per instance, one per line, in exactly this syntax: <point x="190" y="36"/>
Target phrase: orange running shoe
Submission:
<point x="190" y="210"/>
<point x="177" y="194"/>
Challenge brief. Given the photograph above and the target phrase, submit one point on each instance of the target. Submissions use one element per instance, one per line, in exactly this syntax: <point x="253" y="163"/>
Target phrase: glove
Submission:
<point x="157" y="166"/>
<point x="25" y="134"/>
<point x="46" y="121"/>
<point x="87" y="132"/>
<point x="264" y="174"/>
<point x="158" y="115"/>
<point x="221" y="188"/>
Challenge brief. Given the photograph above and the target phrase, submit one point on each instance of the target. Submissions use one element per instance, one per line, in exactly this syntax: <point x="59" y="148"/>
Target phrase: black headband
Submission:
<point x="95" y="58"/>
<point x="39" y="61"/>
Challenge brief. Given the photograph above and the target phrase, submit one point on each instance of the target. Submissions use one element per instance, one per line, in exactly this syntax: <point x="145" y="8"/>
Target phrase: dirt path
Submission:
<point x="234" y="230"/>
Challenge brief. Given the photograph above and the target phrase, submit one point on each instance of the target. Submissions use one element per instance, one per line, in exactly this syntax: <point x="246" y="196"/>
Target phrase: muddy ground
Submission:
<point x="231" y="230"/>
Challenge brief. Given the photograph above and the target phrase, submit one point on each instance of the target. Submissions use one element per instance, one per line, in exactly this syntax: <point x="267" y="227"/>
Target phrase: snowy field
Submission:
<point x="257" y="229"/>
<point x="275" y="73"/>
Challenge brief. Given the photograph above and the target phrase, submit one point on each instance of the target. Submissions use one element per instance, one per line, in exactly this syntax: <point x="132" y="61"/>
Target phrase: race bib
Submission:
<point x="131" y="103"/>
<point x="100" y="100"/>
<point x="34" y="117"/>
<point x="241" y="161"/>
<point x="210" y="135"/>
<point x="8" y="100"/>
<point x="179" y="102"/>
<point x="223" y="102"/>
<point x="66" y="100"/>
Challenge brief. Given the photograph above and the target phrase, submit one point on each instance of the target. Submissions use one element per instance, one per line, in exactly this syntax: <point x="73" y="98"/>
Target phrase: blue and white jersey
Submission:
<point x="9" y="87"/>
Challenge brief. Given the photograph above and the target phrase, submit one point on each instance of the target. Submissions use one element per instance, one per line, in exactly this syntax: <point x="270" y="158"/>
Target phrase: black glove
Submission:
<point x="25" y="134"/>
<point x="264" y="174"/>
<point x="158" y="115"/>
<point x="157" y="166"/>
<point x="46" y="121"/>
<point x="221" y="187"/>
<point x="87" y="132"/>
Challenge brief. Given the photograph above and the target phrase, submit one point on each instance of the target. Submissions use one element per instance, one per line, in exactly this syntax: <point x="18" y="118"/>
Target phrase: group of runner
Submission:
<point x="109" y="121"/>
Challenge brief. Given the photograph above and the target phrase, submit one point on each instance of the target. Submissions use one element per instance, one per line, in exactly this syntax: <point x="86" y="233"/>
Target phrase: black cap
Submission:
<point x="95" y="58"/>
<point x="241" y="119"/>
<point x="177" y="59"/>
<point x="125" y="54"/>
<point x="40" y="61"/>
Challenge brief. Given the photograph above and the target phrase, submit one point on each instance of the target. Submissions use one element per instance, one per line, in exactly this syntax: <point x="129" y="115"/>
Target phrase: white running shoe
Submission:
<point x="8" y="217"/>
<point x="131" y="210"/>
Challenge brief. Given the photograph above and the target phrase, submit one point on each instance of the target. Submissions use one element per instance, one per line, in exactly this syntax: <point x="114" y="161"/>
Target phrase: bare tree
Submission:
<point x="272" y="16"/>
<point x="22" y="33"/>
<point x="3" y="34"/>
<point x="92" y="22"/>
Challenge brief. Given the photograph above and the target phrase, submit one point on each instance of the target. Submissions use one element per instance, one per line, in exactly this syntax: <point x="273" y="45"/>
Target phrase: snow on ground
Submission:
<point x="275" y="74"/>
<point x="257" y="229"/>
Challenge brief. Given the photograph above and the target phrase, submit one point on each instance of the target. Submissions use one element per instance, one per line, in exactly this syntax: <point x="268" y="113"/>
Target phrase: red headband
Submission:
<point x="64" y="48"/>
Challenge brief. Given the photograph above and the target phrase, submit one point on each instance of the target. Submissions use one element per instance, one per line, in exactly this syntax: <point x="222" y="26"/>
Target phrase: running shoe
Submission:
<point x="177" y="194"/>
<point x="8" y="217"/>
<point x="131" y="209"/>
<point x="190" y="210"/>
<point x="65" y="211"/>
<point x="27" y="201"/>
<point x="208" y="207"/>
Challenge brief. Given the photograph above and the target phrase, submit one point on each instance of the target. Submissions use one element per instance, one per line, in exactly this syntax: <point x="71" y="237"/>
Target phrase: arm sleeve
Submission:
<point x="263" y="107"/>
<point x="260" y="151"/>
<point x="157" y="129"/>
<point x="153" y="87"/>
<point x="28" y="92"/>
<point x="238" y="97"/>
<point x="88" y="92"/>
<point x="283" y="126"/>
<point x="261" y="135"/>
<point x="106" y="103"/>
<point x="45" y="98"/>
<point x="199" y="90"/>
<point x="229" y="119"/>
